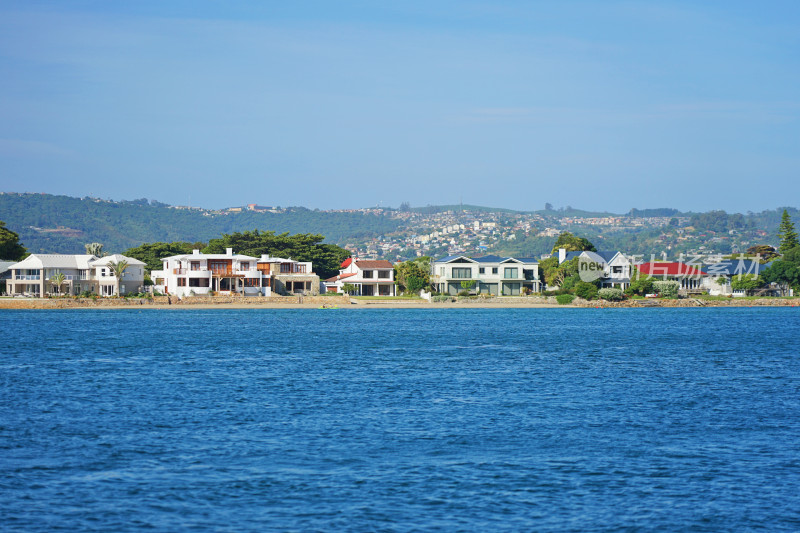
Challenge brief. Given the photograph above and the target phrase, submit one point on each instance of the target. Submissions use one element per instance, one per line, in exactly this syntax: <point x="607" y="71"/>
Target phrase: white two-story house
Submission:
<point x="199" y="274"/>
<point x="613" y="268"/>
<point x="368" y="278"/>
<point x="491" y="274"/>
<point x="35" y="275"/>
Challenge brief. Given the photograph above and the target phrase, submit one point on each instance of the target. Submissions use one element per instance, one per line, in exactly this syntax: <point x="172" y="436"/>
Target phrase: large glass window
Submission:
<point x="367" y="273"/>
<point x="462" y="273"/>
<point x="383" y="274"/>
<point x="510" y="273"/>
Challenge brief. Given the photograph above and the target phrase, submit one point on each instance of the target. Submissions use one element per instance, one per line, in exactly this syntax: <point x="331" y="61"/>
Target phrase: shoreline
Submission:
<point x="342" y="303"/>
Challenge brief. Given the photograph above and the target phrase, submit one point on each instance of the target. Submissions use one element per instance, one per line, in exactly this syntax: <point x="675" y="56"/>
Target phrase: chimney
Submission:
<point x="195" y="252"/>
<point x="264" y="258"/>
<point x="229" y="252"/>
<point x="562" y="255"/>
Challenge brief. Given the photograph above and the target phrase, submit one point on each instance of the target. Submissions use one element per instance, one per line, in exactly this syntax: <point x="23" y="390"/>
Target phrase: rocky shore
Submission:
<point x="341" y="301"/>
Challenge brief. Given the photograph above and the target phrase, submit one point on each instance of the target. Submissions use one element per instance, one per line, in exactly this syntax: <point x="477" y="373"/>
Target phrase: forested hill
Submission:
<point x="62" y="224"/>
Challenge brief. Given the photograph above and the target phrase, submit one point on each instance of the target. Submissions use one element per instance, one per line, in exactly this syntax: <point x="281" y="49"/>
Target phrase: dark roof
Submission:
<point x="607" y="256"/>
<point x="734" y="267"/>
<point x="572" y="255"/>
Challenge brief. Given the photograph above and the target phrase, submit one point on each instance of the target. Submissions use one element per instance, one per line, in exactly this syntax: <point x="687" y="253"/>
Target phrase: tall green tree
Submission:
<point x="572" y="243"/>
<point x="10" y="247"/>
<point x="152" y="253"/>
<point x="325" y="258"/>
<point x="95" y="248"/>
<point x="787" y="233"/>
<point x="414" y="275"/>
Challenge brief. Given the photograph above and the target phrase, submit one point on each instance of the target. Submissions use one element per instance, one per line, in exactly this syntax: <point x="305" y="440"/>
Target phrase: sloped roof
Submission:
<point x="735" y="267"/>
<point x="115" y="258"/>
<point x="37" y="261"/>
<point x="381" y="263"/>
<point x="606" y="255"/>
<point x="341" y="276"/>
<point x="670" y="269"/>
<point x="346" y="262"/>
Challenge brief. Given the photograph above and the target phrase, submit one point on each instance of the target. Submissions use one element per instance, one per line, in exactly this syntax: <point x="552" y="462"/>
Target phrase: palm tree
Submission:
<point x="58" y="280"/>
<point x="95" y="249"/>
<point x="118" y="270"/>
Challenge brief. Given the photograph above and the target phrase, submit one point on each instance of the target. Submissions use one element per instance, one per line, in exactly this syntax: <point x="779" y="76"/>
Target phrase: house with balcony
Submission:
<point x="612" y="268"/>
<point x="198" y="274"/>
<point x="290" y="277"/>
<point x="490" y="275"/>
<point x="369" y="278"/>
<point x="34" y="275"/>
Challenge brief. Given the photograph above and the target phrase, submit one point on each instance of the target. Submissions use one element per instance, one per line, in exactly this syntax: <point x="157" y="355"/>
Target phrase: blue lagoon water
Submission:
<point x="397" y="420"/>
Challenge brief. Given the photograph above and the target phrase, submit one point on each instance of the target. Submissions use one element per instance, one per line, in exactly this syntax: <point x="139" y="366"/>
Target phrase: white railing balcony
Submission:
<point x="28" y="277"/>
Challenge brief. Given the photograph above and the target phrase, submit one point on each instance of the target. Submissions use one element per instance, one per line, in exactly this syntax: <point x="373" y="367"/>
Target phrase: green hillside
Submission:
<point x="62" y="224"/>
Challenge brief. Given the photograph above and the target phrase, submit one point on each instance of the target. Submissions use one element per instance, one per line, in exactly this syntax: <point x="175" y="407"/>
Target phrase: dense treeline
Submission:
<point x="325" y="258"/>
<point x="122" y="225"/>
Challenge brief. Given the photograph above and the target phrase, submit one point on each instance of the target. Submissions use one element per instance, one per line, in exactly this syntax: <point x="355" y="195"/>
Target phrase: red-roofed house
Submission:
<point x="690" y="277"/>
<point x="370" y="278"/>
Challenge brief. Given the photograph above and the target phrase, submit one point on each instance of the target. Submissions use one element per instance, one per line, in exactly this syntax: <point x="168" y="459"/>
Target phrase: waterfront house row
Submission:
<point x="200" y="274"/>
<point x="37" y="275"/>
<point x="490" y="275"/>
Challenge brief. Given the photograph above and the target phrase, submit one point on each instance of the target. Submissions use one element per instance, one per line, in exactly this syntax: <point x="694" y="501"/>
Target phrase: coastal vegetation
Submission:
<point x="10" y="247"/>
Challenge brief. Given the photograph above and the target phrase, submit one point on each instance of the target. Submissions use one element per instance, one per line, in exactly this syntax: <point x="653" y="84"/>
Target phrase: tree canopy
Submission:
<point x="152" y="253"/>
<point x="787" y="233"/>
<point x="414" y="275"/>
<point x="572" y="243"/>
<point x="326" y="258"/>
<point x="10" y="247"/>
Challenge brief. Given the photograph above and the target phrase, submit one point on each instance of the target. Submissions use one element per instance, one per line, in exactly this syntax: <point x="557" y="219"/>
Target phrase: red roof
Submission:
<point x="383" y="263"/>
<point x="341" y="276"/>
<point x="346" y="262"/>
<point x="669" y="269"/>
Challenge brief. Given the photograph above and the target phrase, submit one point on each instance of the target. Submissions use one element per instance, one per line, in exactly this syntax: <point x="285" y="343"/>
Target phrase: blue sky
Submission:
<point x="598" y="105"/>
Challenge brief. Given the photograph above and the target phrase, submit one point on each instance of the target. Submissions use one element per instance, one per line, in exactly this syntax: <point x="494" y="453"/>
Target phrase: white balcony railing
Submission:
<point x="28" y="277"/>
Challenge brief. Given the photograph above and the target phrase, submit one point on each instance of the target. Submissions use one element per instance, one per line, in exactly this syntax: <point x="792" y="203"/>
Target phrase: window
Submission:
<point x="194" y="265"/>
<point x="181" y="282"/>
<point x="481" y="270"/>
<point x="251" y="282"/>
<point x="244" y="265"/>
<point x="616" y="270"/>
<point x="197" y="282"/>
<point x="383" y="274"/>
<point x="494" y="270"/>
<point x="510" y="272"/>
<point x="368" y="274"/>
<point x="219" y="266"/>
<point x="462" y="273"/>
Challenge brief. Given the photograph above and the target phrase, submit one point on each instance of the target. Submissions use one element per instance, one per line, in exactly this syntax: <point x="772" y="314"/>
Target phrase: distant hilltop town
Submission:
<point x="49" y="223"/>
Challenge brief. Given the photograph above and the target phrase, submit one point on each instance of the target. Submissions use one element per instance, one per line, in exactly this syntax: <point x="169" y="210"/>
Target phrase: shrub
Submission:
<point x="440" y="298"/>
<point x="463" y="293"/>
<point x="667" y="289"/>
<point x="564" y="299"/>
<point x="587" y="291"/>
<point x="612" y="295"/>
